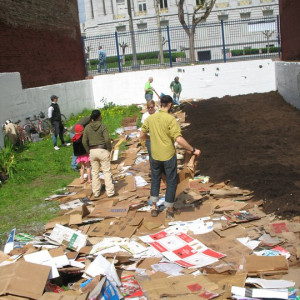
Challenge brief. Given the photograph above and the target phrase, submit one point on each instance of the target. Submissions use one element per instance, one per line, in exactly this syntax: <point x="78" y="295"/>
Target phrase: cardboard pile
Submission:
<point x="219" y="245"/>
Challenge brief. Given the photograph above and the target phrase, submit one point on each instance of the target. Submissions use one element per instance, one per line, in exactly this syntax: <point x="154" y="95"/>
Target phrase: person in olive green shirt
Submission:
<point x="149" y="89"/>
<point x="176" y="88"/>
<point x="164" y="132"/>
<point x="96" y="142"/>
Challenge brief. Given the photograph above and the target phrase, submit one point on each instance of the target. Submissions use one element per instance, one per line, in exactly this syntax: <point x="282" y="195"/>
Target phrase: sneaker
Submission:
<point x="56" y="148"/>
<point x="114" y="195"/>
<point x="66" y="144"/>
<point x="169" y="214"/>
<point x="154" y="212"/>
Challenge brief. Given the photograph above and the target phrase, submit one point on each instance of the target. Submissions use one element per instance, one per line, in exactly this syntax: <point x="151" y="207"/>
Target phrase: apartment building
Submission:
<point x="109" y="16"/>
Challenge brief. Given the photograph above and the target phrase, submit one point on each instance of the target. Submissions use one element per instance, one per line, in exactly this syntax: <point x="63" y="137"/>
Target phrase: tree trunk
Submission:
<point x="192" y="45"/>
<point x="123" y="59"/>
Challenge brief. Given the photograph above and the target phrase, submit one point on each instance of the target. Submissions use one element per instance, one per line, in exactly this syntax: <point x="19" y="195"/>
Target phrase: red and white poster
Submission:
<point x="182" y="249"/>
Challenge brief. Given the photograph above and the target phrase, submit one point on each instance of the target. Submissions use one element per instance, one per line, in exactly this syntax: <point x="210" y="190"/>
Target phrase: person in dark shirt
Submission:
<point x="55" y="118"/>
<point x="83" y="121"/>
<point x="82" y="157"/>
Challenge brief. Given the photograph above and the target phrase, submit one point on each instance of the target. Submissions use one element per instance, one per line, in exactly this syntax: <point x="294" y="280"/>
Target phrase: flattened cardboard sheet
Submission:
<point x="23" y="279"/>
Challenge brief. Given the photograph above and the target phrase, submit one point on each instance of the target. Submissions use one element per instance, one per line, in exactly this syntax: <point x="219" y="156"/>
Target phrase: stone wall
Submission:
<point x="41" y="40"/>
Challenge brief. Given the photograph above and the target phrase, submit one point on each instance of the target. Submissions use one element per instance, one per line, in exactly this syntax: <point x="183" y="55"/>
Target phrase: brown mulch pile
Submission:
<point x="253" y="141"/>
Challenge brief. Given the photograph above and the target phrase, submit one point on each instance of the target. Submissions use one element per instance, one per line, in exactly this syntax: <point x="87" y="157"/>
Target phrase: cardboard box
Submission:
<point x="23" y="279"/>
<point x="257" y="265"/>
<point x="66" y="236"/>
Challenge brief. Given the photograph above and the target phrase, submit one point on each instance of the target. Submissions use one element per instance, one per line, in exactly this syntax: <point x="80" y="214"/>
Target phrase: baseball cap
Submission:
<point x="53" y="97"/>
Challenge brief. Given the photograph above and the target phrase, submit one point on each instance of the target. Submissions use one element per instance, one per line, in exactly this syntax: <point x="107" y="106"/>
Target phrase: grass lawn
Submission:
<point x="41" y="171"/>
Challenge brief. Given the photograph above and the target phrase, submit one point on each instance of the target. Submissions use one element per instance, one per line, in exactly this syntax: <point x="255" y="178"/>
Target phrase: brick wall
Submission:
<point x="290" y="28"/>
<point x="41" y="40"/>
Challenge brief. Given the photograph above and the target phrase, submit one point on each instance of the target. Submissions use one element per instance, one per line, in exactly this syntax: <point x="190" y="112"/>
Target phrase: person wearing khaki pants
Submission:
<point x="101" y="157"/>
<point x="97" y="142"/>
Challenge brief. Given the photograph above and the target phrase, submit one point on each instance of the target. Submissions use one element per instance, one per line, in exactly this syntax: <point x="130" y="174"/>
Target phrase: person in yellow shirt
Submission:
<point x="164" y="132"/>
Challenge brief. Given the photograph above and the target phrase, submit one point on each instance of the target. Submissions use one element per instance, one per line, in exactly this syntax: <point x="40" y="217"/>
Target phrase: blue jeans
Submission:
<point x="175" y="99"/>
<point x="169" y="167"/>
<point x="104" y="66"/>
<point x="148" y="145"/>
<point x="148" y="97"/>
<point x="73" y="163"/>
<point x="58" y="130"/>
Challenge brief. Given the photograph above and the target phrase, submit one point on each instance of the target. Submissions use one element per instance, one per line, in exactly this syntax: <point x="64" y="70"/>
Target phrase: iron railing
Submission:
<point x="223" y="41"/>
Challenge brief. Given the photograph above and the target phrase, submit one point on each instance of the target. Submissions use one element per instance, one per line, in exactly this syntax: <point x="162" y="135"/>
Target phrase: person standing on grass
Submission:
<point x="83" y="121"/>
<point x="55" y="118"/>
<point x="82" y="157"/>
<point x="176" y="88"/>
<point x="149" y="89"/>
<point x="96" y="142"/>
<point x="102" y="60"/>
<point x="164" y="132"/>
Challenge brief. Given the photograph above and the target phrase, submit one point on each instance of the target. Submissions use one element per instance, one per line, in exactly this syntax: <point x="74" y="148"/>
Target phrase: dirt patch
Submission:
<point x="253" y="140"/>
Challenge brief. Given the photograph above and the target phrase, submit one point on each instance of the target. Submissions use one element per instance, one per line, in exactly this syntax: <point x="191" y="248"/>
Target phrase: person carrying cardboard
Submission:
<point x="164" y="132"/>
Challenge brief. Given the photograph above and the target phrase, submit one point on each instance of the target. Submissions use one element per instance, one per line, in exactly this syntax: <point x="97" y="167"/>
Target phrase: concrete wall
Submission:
<point x="203" y="81"/>
<point x="290" y="27"/>
<point x="17" y="103"/>
<point x="41" y="40"/>
<point x="288" y="81"/>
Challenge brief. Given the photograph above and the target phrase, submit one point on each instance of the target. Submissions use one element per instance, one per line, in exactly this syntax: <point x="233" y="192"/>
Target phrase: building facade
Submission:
<point x="109" y="16"/>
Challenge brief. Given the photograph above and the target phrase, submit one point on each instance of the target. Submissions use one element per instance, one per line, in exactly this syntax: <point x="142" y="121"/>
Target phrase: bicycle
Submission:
<point x="44" y="125"/>
<point x="38" y="125"/>
<point x="30" y="127"/>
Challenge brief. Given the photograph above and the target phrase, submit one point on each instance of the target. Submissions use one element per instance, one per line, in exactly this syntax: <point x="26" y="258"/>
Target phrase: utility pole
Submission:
<point x="132" y="36"/>
<point x="161" y="53"/>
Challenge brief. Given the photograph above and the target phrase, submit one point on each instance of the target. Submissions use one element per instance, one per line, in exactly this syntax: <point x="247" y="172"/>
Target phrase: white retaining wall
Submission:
<point x="288" y="81"/>
<point x="17" y="103"/>
<point x="201" y="81"/>
<point x="198" y="82"/>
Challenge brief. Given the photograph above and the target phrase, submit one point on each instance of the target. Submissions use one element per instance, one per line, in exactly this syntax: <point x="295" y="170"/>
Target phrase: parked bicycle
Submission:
<point x="38" y="125"/>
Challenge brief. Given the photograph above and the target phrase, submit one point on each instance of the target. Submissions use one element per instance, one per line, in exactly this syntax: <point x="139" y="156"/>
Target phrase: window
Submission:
<point x="223" y="17"/>
<point x="142" y="26"/>
<point x="204" y="55"/>
<point x="142" y="6"/>
<point x="164" y="23"/>
<point x="245" y="16"/>
<point x="121" y="28"/>
<point x="268" y="13"/>
<point x="120" y="1"/>
<point x="163" y="4"/>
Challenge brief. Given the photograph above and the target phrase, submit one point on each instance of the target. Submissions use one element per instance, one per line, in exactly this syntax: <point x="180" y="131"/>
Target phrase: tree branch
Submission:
<point x="208" y="8"/>
<point x="181" y="17"/>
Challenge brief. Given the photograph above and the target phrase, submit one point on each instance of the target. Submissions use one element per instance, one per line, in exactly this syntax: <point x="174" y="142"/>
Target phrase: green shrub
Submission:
<point x="251" y="51"/>
<point x="113" y="60"/>
<point x="8" y="162"/>
<point x="271" y="50"/>
<point x="237" y="52"/>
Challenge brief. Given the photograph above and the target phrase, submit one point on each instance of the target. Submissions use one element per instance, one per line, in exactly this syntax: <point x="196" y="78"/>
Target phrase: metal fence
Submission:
<point x="223" y="41"/>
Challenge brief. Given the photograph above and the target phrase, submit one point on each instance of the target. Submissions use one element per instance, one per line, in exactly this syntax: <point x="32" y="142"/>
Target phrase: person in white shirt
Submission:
<point x="150" y="110"/>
